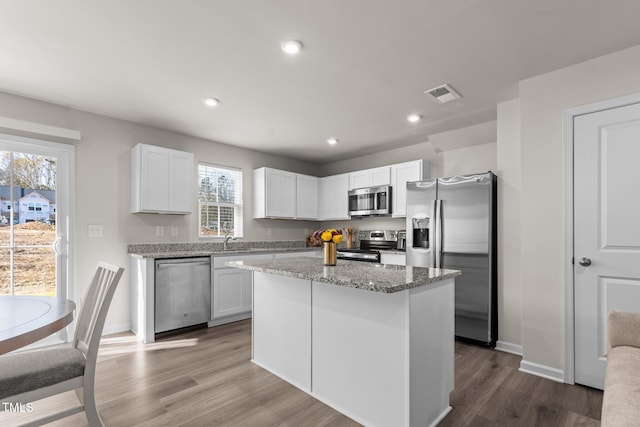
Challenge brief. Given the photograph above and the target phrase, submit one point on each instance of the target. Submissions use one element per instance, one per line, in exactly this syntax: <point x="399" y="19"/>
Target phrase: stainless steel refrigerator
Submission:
<point x="451" y="223"/>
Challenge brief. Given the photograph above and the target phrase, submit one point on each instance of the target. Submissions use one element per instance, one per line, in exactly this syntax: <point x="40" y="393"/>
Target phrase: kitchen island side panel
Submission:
<point x="281" y="327"/>
<point x="432" y="352"/>
<point x="360" y="353"/>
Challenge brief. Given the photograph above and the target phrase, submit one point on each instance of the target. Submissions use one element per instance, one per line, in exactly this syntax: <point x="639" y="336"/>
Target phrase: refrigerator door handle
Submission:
<point x="438" y="234"/>
<point x="432" y="235"/>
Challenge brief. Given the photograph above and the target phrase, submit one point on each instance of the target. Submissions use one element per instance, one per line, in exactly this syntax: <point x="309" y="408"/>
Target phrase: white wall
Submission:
<point x="423" y="150"/>
<point x="103" y="190"/>
<point x="542" y="102"/>
<point x="469" y="160"/>
<point x="508" y="171"/>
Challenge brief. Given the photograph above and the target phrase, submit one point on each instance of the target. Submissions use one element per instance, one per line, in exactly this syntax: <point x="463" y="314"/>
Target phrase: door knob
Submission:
<point x="585" y="262"/>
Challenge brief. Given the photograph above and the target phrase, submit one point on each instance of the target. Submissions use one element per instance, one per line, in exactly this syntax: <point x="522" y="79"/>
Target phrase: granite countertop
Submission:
<point x="188" y="250"/>
<point x="354" y="274"/>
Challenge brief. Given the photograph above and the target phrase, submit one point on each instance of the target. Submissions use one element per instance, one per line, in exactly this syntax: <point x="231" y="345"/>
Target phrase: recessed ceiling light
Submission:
<point x="291" y="47"/>
<point x="414" y="118"/>
<point x="211" y="102"/>
<point x="332" y="141"/>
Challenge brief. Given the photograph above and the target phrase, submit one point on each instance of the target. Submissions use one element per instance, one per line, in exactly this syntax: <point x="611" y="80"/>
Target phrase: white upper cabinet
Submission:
<point x="402" y="173"/>
<point x="370" y="177"/>
<point x="274" y="193"/>
<point x="162" y="180"/>
<point x="307" y="197"/>
<point x="283" y="194"/>
<point x="333" y="193"/>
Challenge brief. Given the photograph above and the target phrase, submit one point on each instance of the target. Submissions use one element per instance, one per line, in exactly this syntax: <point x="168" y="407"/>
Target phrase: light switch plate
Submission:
<point x="94" y="230"/>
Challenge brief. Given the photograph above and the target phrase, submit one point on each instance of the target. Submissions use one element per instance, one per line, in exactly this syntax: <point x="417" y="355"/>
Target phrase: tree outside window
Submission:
<point x="220" y="199"/>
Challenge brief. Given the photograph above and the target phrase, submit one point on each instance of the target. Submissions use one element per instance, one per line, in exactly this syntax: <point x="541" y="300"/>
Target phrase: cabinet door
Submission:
<point x="280" y="194"/>
<point x="335" y="200"/>
<point x="402" y="173"/>
<point x="359" y="179"/>
<point x="229" y="292"/>
<point x="154" y="179"/>
<point x="370" y="177"/>
<point x="380" y="176"/>
<point x="307" y="197"/>
<point x="341" y="196"/>
<point x="180" y="182"/>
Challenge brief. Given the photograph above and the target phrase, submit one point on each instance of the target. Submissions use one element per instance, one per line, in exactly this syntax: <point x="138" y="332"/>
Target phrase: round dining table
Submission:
<point x="27" y="319"/>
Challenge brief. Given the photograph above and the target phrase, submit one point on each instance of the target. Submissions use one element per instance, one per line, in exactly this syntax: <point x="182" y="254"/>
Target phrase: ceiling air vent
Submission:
<point x="443" y="93"/>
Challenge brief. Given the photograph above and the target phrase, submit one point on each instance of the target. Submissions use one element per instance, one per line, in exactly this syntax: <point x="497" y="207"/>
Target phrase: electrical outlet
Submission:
<point x="174" y="230"/>
<point x="159" y="231"/>
<point x="94" y="230"/>
<point x="269" y="231"/>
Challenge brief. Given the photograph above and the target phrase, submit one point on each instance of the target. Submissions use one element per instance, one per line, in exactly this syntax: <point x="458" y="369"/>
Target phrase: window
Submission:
<point x="220" y="200"/>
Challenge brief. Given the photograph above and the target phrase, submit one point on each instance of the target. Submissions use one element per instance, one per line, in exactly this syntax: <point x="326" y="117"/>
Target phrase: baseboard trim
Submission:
<point x="114" y="329"/>
<point x="508" y="347"/>
<point x="542" y="371"/>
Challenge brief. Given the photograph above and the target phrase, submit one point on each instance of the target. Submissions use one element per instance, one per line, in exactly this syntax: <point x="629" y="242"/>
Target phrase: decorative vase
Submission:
<point x="329" y="255"/>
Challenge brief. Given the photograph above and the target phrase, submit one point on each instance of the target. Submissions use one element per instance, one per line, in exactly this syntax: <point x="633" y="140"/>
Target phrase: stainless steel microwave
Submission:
<point x="370" y="201"/>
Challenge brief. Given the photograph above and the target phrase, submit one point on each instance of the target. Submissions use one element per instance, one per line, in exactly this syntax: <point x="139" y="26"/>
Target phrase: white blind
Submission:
<point x="220" y="197"/>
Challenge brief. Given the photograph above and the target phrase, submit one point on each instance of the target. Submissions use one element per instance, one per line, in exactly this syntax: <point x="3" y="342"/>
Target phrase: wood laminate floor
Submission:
<point x="205" y="378"/>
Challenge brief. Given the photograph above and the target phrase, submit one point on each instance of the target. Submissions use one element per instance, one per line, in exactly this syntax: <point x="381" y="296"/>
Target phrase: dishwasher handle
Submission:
<point x="181" y="264"/>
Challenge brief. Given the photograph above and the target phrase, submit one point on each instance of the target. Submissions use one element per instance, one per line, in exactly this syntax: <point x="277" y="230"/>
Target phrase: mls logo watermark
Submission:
<point x="17" y="407"/>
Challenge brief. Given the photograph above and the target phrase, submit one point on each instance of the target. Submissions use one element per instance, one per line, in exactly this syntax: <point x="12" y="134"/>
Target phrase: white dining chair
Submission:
<point x="32" y="375"/>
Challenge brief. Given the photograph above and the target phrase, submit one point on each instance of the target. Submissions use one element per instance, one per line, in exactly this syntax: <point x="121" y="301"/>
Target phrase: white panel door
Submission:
<point x="380" y="176"/>
<point x="181" y="181"/>
<point x="606" y="233"/>
<point x="401" y="174"/>
<point x="281" y="194"/>
<point x="334" y="195"/>
<point x="307" y="195"/>
<point x="155" y="179"/>
<point x="230" y="289"/>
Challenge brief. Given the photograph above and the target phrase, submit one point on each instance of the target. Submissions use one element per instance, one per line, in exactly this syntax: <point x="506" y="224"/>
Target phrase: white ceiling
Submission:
<point x="364" y="67"/>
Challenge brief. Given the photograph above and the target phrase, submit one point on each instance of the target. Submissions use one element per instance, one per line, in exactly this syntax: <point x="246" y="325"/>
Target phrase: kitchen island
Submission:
<point x="373" y="341"/>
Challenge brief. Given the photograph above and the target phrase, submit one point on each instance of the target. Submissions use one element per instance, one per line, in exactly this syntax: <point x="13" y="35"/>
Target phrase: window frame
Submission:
<point x="238" y="205"/>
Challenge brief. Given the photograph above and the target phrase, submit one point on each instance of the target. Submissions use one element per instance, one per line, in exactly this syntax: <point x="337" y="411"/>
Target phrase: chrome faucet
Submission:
<point x="227" y="237"/>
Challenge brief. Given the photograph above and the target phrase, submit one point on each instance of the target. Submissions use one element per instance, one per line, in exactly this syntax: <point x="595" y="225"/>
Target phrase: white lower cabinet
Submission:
<point x="231" y="288"/>
<point x="231" y="292"/>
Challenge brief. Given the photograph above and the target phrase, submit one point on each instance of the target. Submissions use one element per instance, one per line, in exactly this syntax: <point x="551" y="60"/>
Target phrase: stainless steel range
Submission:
<point x="371" y="242"/>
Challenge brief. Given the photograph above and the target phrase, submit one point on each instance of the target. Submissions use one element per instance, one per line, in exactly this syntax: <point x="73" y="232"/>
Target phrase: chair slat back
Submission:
<point x="94" y="309"/>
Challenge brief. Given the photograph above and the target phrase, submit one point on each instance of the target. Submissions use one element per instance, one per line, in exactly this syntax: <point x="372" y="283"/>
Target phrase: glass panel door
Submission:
<point x="34" y="216"/>
<point x="28" y="223"/>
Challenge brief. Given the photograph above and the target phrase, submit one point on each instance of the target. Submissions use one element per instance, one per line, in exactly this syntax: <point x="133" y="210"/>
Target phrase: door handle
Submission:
<point x="56" y="245"/>
<point x="585" y="262"/>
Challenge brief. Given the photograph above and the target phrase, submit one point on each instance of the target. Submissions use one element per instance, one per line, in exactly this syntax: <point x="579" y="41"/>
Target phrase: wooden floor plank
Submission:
<point x="205" y="378"/>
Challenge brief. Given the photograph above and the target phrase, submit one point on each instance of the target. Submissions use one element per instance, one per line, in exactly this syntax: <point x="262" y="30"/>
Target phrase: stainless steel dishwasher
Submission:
<point x="183" y="293"/>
